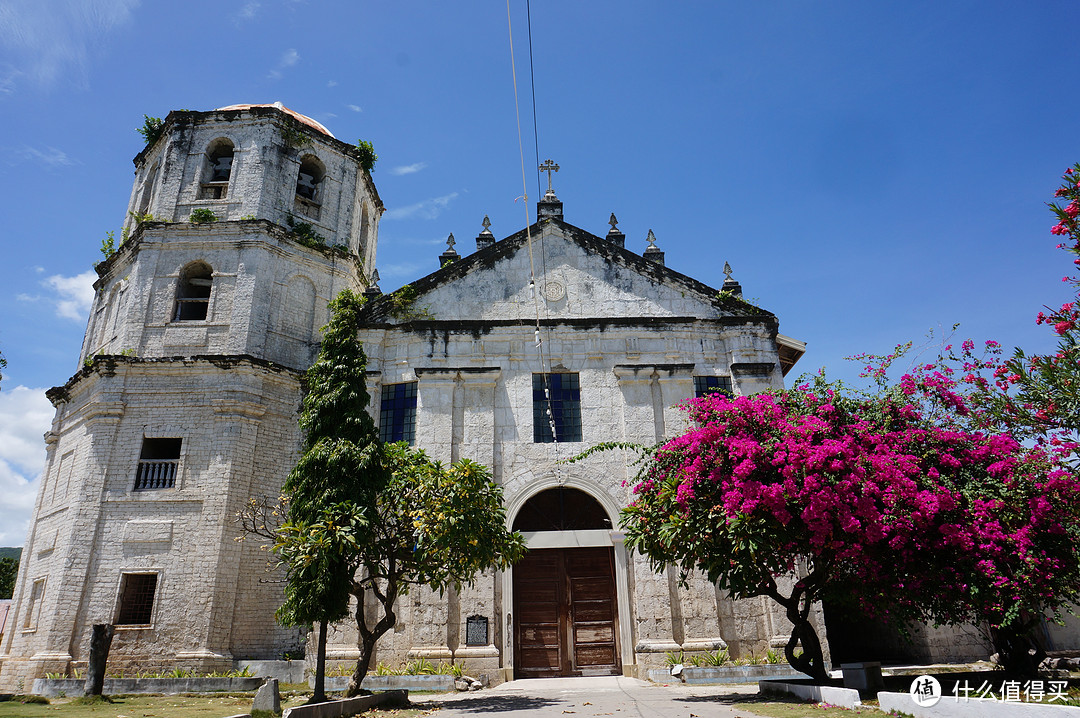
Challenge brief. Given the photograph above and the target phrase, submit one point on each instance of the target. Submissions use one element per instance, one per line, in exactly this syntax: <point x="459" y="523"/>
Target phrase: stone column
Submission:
<point x="652" y="628"/>
<point x="478" y="415"/>
<point x="676" y="385"/>
<point x="435" y="412"/>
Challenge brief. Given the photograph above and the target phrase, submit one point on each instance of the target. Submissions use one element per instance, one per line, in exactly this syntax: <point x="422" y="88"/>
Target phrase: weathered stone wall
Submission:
<point x="238" y="426"/>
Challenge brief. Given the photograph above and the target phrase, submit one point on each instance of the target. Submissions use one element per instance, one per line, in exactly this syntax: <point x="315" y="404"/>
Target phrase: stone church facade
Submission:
<point x="518" y="355"/>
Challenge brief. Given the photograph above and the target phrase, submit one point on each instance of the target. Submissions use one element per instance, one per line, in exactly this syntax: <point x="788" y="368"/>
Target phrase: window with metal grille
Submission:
<point x="157" y="464"/>
<point x="397" y="412"/>
<point x="136" y="605"/>
<point x="705" y="385"/>
<point x="556" y="403"/>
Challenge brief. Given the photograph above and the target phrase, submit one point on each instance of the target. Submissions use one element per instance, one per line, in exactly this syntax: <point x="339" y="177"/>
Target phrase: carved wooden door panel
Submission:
<point x="565" y="621"/>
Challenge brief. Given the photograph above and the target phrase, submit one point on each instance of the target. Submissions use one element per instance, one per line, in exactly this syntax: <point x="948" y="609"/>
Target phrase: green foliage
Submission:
<point x="140" y="219"/>
<point x="402" y="305"/>
<point x="332" y="488"/>
<point x="108" y="245"/>
<point x="304" y="233"/>
<point x="9" y="570"/>
<point x="293" y="136"/>
<point x="202" y="215"/>
<point x="151" y="129"/>
<point x="368" y="158"/>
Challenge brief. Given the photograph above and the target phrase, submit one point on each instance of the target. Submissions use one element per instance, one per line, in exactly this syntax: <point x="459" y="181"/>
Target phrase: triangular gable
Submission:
<point x="578" y="276"/>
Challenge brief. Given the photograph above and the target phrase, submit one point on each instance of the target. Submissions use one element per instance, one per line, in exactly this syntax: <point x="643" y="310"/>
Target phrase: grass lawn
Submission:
<point x="190" y="706"/>
<point x="140" y="707"/>
<point x="777" y="708"/>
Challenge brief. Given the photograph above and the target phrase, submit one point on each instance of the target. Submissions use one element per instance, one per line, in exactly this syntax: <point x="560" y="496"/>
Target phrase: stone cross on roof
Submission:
<point x="549" y="167"/>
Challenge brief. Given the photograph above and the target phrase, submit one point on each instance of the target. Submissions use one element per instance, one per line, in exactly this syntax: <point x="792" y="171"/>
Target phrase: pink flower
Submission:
<point x="1062" y="327"/>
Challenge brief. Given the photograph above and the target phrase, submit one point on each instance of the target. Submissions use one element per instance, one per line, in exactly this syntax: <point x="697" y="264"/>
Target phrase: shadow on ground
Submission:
<point x="496" y="704"/>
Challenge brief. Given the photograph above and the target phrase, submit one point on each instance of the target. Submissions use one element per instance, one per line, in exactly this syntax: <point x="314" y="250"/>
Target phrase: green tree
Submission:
<point x="332" y="490"/>
<point x="432" y="526"/>
<point x="9" y="570"/>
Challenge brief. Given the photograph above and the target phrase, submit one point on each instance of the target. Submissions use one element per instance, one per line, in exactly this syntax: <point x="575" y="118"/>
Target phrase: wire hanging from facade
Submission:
<point x="545" y="365"/>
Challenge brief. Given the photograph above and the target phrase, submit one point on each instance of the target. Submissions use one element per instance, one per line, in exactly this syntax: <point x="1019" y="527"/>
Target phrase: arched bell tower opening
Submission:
<point x="569" y="591"/>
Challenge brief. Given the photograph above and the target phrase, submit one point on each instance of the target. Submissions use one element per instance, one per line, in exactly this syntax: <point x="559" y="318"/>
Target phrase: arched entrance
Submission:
<point x="564" y="598"/>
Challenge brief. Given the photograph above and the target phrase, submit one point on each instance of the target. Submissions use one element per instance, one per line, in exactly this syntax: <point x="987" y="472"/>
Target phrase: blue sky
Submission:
<point x="870" y="170"/>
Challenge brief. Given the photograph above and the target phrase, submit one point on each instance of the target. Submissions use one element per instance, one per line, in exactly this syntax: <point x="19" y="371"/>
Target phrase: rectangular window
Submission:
<point x="397" y="412"/>
<point x="157" y="464"/>
<point x="33" y="609"/>
<point x="136" y="606"/>
<point x="704" y="385"/>
<point x="556" y="403"/>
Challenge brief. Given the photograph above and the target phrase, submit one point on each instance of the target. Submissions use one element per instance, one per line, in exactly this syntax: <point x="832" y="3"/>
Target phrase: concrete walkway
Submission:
<point x="588" y="697"/>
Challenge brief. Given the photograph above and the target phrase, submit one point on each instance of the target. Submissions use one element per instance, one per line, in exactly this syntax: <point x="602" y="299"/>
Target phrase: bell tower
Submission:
<point x="243" y="223"/>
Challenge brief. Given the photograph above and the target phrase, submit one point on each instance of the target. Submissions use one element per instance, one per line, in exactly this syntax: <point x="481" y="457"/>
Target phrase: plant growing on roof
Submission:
<point x="202" y="215"/>
<point x="368" y="158"/>
<point x="151" y="129"/>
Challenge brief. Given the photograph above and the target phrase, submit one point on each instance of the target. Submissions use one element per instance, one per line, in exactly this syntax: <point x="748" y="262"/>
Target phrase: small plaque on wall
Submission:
<point x="476" y="631"/>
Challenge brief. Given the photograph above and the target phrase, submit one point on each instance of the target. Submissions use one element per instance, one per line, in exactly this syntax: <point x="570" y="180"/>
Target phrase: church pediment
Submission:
<point x="577" y="276"/>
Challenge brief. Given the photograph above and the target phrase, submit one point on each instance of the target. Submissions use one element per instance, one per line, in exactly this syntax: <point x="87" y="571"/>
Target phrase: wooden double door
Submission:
<point x="565" y="619"/>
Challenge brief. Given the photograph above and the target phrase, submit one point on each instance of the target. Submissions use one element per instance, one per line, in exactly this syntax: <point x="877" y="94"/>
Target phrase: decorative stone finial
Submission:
<point x="652" y="251"/>
<point x="450" y="254"/>
<point x="373" y="284"/>
<point x="730" y="285"/>
<point x="614" y="235"/>
<point x="485" y="239"/>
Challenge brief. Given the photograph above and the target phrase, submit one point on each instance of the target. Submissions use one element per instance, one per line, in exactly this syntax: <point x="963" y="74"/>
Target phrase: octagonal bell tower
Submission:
<point x="243" y="223"/>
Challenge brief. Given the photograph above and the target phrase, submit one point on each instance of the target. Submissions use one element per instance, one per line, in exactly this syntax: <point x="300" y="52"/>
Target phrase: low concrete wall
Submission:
<point x="72" y="687"/>
<point x="739" y="674"/>
<point x="346" y="706"/>
<point x="950" y="707"/>
<point x="438" y="684"/>
<point x="284" y="671"/>
<point x="843" y="697"/>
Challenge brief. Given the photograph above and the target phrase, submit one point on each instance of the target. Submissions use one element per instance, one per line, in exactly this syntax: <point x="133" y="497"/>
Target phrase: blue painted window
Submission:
<point x="397" y="412"/>
<point x="561" y="394"/>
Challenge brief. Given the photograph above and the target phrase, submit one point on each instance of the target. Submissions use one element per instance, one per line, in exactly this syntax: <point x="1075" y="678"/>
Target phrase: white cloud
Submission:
<point x="426" y="209"/>
<point x="354" y="108"/>
<point x="408" y="169"/>
<point x="331" y="83"/>
<point x="49" y="156"/>
<point x="73" y="295"/>
<point x="288" y="59"/>
<point x="248" y="11"/>
<point x="49" y="40"/>
<point x="25" y="415"/>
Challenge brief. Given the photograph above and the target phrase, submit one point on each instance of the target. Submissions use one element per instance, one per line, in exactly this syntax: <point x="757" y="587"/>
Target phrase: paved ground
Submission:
<point x="588" y="697"/>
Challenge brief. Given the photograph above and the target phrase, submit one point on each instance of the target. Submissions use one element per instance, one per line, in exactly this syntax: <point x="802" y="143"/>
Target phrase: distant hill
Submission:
<point x="10" y="552"/>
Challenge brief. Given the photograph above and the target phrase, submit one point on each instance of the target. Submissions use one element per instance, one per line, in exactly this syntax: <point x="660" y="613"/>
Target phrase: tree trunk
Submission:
<point x="319" y="693"/>
<point x="100" y="641"/>
<point x="368" y="637"/>
<point x="1019" y="653"/>
<point x="797" y="608"/>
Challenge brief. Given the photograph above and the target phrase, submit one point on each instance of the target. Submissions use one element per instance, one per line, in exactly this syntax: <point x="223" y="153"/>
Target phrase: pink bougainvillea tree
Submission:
<point x="815" y="492"/>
